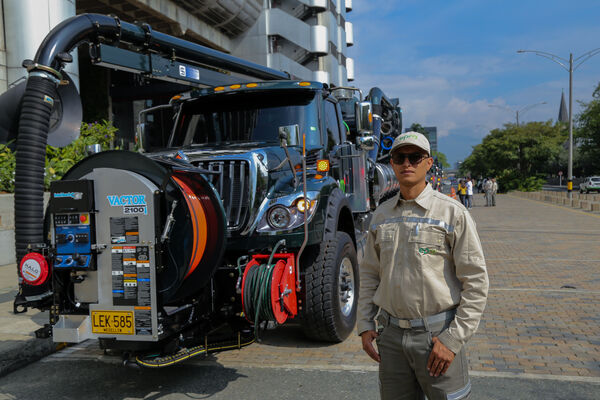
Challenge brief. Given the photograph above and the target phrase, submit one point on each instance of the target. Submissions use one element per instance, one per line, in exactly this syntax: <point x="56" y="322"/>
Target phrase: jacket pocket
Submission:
<point x="385" y="235"/>
<point x="385" y="240"/>
<point x="430" y="238"/>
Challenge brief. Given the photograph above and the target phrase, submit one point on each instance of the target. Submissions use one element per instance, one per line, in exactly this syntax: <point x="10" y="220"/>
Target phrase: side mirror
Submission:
<point x="364" y="118"/>
<point x="366" y="143"/>
<point x="289" y="135"/>
<point x="154" y="126"/>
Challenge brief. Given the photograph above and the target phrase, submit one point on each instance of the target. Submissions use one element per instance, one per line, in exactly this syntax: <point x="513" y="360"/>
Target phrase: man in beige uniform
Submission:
<point x="424" y="276"/>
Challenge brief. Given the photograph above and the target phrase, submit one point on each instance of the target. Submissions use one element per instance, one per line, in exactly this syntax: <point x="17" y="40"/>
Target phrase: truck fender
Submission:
<point x="338" y="216"/>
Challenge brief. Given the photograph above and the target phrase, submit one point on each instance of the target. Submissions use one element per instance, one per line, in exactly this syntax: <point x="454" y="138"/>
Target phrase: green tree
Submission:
<point x="588" y="134"/>
<point x="415" y="127"/>
<point x="520" y="156"/>
<point x="441" y="157"/>
<point x="58" y="160"/>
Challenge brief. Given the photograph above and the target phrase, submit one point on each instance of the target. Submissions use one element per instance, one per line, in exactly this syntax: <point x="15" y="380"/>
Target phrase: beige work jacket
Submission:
<point x="422" y="257"/>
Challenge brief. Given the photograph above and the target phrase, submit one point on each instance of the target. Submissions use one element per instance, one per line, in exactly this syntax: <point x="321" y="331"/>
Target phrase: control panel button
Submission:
<point x="82" y="238"/>
<point x="61" y="219"/>
<point x="73" y="219"/>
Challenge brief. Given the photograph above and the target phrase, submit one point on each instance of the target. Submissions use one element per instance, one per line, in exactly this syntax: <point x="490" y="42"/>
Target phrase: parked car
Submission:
<point x="590" y="183"/>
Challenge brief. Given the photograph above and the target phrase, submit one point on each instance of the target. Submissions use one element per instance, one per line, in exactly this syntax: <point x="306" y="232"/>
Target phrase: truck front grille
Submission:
<point x="232" y="183"/>
<point x="311" y="159"/>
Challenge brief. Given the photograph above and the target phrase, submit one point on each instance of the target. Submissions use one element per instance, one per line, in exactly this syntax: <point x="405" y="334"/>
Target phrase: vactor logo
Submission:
<point x="131" y="203"/>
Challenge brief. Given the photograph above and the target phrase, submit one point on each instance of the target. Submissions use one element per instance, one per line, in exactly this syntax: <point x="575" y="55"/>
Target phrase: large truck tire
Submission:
<point x="331" y="287"/>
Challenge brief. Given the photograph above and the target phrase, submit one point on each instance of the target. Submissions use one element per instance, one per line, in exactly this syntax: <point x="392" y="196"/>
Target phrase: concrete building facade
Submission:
<point x="307" y="38"/>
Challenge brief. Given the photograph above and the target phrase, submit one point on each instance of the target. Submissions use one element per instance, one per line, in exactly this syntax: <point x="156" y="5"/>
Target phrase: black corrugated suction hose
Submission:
<point x="34" y="125"/>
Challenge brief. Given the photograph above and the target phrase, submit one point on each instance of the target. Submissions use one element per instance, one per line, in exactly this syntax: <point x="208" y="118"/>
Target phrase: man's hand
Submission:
<point x="439" y="360"/>
<point x="367" y="343"/>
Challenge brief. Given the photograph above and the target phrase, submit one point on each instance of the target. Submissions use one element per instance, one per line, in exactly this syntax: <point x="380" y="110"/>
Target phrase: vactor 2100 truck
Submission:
<point x="253" y="207"/>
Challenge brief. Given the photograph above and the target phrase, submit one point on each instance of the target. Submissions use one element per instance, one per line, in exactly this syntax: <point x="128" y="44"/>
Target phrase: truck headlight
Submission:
<point x="279" y="217"/>
<point x="286" y="213"/>
<point x="302" y="204"/>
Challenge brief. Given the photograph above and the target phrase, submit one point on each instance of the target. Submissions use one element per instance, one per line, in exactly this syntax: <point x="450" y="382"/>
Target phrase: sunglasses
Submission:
<point x="413" y="158"/>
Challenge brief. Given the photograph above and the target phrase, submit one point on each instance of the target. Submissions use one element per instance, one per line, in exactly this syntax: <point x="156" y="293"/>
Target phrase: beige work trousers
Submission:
<point x="403" y="371"/>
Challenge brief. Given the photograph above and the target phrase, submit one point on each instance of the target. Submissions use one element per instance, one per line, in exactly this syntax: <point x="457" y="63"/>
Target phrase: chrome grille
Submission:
<point x="232" y="183"/>
<point x="311" y="159"/>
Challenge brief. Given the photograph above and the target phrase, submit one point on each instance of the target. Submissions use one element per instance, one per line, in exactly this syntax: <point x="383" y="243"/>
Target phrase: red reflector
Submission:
<point x="34" y="269"/>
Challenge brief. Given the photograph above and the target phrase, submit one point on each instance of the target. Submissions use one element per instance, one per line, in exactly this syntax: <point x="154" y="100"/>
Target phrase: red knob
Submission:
<point x="34" y="269"/>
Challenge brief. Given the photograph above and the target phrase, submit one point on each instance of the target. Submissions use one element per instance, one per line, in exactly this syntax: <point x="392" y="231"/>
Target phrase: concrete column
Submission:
<point x="26" y="24"/>
<point x="3" y="81"/>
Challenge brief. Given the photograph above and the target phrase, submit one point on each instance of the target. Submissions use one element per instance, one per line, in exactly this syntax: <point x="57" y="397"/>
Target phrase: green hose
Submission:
<point x="257" y="289"/>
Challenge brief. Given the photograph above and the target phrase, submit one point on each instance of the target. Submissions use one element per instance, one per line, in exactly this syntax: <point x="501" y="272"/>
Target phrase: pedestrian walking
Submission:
<point x="494" y="191"/>
<point x="469" y="202"/>
<point x="462" y="192"/>
<point x="488" y="192"/>
<point x="423" y="279"/>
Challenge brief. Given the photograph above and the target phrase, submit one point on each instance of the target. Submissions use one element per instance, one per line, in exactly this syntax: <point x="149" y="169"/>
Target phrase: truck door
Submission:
<point x="348" y="160"/>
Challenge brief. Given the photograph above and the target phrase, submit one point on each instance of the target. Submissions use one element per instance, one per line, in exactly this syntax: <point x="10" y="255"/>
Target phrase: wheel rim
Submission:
<point x="346" y="286"/>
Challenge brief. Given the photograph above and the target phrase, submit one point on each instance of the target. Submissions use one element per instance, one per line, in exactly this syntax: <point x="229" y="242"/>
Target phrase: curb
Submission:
<point x="26" y="353"/>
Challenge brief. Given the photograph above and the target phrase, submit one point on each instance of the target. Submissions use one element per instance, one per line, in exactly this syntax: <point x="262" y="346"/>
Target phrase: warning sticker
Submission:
<point x="131" y="281"/>
<point x="143" y="321"/>
<point x="124" y="230"/>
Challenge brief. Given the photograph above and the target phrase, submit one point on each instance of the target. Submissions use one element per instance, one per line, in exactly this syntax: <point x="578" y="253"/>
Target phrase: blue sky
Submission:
<point x="447" y="61"/>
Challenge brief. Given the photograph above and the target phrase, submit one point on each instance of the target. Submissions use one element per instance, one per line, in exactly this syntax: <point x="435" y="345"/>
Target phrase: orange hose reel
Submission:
<point x="199" y="224"/>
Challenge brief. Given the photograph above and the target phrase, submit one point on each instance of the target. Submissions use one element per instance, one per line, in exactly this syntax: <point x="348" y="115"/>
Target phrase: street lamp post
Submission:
<point x="519" y="111"/>
<point x="562" y="62"/>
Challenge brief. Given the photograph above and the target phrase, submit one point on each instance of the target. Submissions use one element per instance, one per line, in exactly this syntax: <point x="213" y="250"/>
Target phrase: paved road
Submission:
<point x="539" y="337"/>
<point x="52" y="379"/>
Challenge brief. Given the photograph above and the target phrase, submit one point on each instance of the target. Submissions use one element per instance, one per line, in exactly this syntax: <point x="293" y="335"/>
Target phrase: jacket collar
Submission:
<point x="423" y="199"/>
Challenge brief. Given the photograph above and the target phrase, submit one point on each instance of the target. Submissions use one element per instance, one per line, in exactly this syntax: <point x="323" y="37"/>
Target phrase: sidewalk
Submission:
<point x="542" y="314"/>
<point x="18" y="345"/>
<point x="541" y="321"/>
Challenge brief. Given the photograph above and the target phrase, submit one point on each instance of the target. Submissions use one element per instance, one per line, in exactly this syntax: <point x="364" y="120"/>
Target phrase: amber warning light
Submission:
<point x="322" y="165"/>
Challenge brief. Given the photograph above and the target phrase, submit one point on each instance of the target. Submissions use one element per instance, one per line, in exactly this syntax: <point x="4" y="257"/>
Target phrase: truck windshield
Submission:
<point x="247" y="117"/>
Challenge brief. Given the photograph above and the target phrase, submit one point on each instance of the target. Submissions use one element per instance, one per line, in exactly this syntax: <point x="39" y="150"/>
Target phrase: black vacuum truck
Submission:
<point x="251" y="207"/>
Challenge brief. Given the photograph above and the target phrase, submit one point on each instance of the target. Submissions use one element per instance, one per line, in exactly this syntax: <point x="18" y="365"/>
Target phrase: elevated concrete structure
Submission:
<point x="307" y="38"/>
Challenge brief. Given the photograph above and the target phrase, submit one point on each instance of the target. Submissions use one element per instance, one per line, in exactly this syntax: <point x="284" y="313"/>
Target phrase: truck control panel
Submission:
<point x="71" y="207"/>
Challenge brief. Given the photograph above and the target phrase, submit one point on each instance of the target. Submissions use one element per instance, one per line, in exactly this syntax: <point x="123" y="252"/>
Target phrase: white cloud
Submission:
<point x="435" y="100"/>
